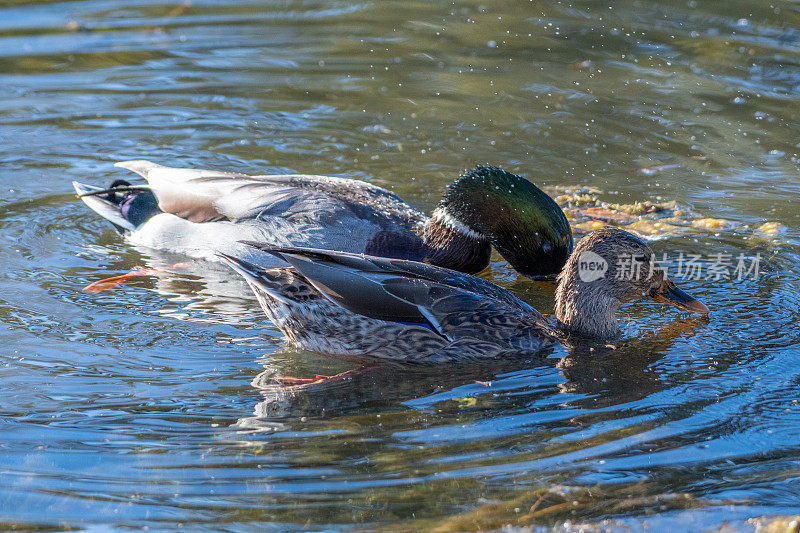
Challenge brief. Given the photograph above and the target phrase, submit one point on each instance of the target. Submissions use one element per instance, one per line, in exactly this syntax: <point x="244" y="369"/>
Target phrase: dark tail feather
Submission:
<point x="125" y="206"/>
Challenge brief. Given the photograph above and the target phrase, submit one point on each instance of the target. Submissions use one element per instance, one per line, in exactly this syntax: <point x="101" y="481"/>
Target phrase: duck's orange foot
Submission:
<point x="289" y="382"/>
<point x="135" y="272"/>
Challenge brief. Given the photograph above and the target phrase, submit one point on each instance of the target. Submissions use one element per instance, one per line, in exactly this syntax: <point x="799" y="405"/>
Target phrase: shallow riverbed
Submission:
<point x="151" y="404"/>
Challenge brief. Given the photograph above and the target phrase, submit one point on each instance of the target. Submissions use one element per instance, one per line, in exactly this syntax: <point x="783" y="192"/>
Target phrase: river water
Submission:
<point x="152" y="405"/>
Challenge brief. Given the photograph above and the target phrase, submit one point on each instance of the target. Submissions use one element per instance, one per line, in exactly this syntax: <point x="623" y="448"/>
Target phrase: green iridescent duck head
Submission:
<point x="523" y="223"/>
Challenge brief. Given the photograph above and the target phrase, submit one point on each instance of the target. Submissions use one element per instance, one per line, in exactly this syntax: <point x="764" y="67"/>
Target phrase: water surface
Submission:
<point x="150" y="404"/>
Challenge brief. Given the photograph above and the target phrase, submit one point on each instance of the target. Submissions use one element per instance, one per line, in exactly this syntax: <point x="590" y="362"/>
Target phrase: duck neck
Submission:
<point x="451" y="244"/>
<point x="584" y="309"/>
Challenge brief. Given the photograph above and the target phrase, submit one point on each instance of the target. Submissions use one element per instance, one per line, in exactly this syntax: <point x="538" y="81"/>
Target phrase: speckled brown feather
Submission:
<point x="470" y="325"/>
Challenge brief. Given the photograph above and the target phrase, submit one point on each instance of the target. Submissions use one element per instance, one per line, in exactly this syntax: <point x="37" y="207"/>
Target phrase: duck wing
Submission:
<point x="191" y="194"/>
<point x="456" y="306"/>
<point x="406" y="268"/>
<point x="206" y="195"/>
<point x="458" y="314"/>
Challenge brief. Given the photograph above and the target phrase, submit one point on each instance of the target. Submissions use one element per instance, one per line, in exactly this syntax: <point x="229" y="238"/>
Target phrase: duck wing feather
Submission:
<point x="452" y="304"/>
<point x="206" y="195"/>
<point x="406" y="268"/>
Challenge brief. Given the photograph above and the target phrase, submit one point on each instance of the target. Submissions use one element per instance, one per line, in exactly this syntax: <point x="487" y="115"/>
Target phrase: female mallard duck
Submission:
<point x="347" y="304"/>
<point x="202" y="212"/>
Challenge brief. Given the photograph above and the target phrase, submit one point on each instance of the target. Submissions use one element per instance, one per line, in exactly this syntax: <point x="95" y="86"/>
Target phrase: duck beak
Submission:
<point x="669" y="293"/>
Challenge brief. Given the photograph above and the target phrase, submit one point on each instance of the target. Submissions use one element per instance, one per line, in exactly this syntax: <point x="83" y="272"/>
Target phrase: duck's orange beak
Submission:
<point x="669" y="293"/>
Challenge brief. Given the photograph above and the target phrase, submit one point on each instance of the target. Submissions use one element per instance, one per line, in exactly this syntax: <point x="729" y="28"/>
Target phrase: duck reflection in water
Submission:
<point x="585" y="373"/>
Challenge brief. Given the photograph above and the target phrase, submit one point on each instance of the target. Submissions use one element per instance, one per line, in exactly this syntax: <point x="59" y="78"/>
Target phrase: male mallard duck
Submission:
<point x="201" y="212"/>
<point x="347" y="304"/>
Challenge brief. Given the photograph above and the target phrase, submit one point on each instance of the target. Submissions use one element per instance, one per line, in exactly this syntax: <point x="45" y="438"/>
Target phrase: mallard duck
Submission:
<point x="348" y="304"/>
<point x="201" y="212"/>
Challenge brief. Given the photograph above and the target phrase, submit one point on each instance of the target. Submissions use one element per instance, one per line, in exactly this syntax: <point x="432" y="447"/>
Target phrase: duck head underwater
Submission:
<point x="348" y="304"/>
<point x="523" y="223"/>
<point x="202" y="212"/>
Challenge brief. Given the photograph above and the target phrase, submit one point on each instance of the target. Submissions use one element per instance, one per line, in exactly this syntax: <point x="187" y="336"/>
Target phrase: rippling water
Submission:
<point x="151" y="405"/>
